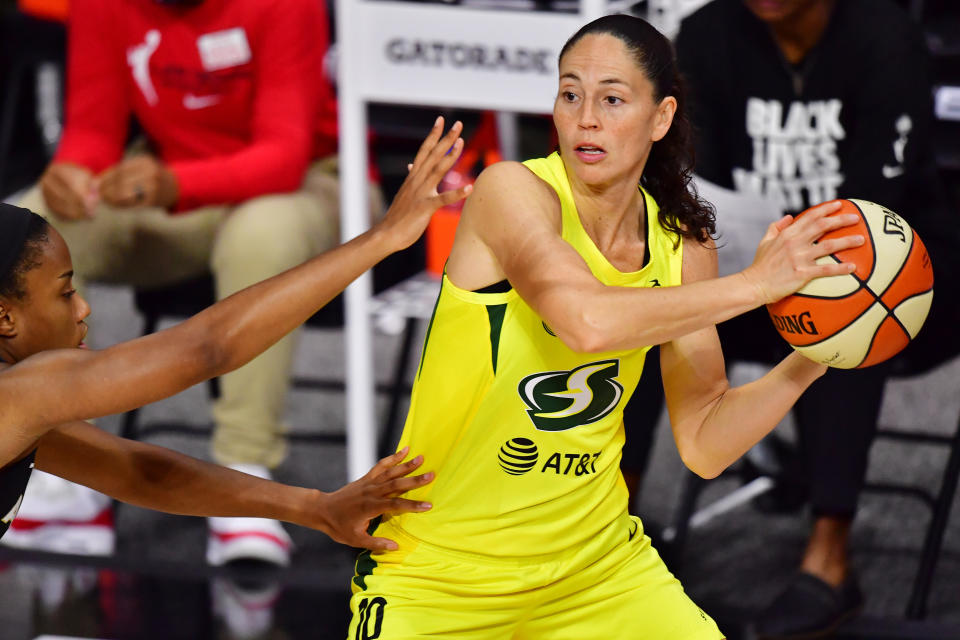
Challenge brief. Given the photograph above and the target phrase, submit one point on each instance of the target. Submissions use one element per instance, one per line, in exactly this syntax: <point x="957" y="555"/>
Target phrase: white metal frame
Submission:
<point x="426" y="54"/>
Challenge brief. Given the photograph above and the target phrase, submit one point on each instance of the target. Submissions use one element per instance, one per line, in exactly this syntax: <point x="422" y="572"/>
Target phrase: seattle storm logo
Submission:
<point x="561" y="400"/>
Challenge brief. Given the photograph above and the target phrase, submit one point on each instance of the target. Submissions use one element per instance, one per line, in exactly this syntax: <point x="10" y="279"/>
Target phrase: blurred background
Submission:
<point x="732" y="549"/>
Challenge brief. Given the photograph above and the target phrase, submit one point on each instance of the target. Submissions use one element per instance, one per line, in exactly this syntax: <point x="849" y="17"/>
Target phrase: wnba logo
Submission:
<point x="518" y="456"/>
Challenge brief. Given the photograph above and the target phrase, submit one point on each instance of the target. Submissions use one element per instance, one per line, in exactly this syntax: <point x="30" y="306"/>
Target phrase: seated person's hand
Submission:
<point x="139" y="181"/>
<point x="69" y="190"/>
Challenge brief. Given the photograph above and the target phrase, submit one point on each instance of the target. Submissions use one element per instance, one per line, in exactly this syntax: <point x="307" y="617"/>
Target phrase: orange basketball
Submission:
<point x="857" y="320"/>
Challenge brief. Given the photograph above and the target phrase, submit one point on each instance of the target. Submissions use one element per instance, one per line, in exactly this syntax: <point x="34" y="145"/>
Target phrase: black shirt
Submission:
<point x="850" y="120"/>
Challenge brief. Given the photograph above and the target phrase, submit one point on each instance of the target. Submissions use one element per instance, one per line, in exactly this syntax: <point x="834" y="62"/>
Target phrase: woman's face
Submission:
<point x="52" y="314"/>
<point x="605" y="112"/>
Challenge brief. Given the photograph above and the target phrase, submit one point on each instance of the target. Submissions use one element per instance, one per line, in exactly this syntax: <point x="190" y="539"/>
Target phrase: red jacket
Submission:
<point x="231" y="93"/>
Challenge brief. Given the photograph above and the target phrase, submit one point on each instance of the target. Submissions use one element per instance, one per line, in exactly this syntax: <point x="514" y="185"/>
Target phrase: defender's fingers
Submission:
<point x="400" y="470"/>
<point x="444" y="163"/>
<point x="385" y="463"/>
<point x="400" y="486"/>
<point x="442" y="151"/>
<point x="404" y="505"/>
<point x="431" y="140"/>
<point x="378" y="544"/>
<point x="449" y="197"/>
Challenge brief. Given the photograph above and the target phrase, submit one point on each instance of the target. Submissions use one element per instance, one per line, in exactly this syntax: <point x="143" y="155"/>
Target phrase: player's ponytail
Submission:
<point x="669" y="169"/>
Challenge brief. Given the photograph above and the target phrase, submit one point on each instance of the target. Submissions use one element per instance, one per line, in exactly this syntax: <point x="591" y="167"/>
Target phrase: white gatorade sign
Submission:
<point x="459" y="57"/>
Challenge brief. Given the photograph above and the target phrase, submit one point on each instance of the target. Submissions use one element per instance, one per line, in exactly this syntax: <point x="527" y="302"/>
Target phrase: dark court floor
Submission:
<point x="157" y="584"/>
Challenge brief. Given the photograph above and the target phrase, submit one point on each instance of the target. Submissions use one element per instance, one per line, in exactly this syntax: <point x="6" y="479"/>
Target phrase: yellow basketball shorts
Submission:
<point x="615" y="586"/>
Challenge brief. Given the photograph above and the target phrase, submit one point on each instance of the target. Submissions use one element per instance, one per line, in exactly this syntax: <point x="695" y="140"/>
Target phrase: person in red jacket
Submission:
<point x="236" y="175"/>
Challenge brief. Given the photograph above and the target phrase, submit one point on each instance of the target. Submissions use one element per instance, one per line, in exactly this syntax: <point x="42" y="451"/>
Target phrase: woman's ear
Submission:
<point x="8" y="328"/>
<point x="664" y="117"/>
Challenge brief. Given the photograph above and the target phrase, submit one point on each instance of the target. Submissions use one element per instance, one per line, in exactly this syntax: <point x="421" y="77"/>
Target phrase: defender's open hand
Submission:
<point x="417" y="198"/>
<point x="349" y="510"/>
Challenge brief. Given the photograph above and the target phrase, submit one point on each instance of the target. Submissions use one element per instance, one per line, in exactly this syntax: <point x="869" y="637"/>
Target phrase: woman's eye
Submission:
<point x="569" y="96"/>
<point x="613" y="100"/>
<point x="69" y="294"/>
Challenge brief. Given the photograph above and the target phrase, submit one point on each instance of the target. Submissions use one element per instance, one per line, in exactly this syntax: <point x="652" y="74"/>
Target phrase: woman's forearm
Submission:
<point x="57" y="386"/>
<point x="158" y="478"/>
<point x="743" y="415"/>
<point x="661" y="314"/>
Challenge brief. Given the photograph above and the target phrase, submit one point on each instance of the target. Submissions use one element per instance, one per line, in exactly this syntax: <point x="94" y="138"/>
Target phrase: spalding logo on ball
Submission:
<point x="857" y="320"/>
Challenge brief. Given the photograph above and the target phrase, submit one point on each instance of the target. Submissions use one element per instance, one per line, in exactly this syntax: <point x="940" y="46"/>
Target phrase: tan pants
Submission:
<point x="240" y="245"/>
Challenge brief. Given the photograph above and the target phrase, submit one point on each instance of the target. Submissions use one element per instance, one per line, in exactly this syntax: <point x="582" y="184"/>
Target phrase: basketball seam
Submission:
<point x="809" y="296"/>
<point x="903" y="266"/>
<point x="877" y="297"/>
<point x="873" y="339"/>
<point x="855" y="318"/>
<point x="873" y="245"/>
<point x="876" y="331"/>
<point x="893" y="314"/>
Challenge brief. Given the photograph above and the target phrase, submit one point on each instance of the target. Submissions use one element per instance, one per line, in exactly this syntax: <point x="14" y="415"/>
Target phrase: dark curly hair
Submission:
<point x="12" y="284"/>
<point x="668" y="172"/>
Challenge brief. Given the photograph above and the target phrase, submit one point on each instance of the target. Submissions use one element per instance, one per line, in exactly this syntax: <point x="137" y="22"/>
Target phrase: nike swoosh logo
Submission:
<point x="193" y="102"/>
<point x="636" y="527"/>
<point x="891" y="172"/>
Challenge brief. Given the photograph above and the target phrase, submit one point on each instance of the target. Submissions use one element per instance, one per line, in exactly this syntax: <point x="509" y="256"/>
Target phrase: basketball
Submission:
<point x="865" y="317"/>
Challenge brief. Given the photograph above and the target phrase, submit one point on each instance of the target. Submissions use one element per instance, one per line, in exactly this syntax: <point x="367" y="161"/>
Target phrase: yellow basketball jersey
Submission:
<point x="524" y="433"/>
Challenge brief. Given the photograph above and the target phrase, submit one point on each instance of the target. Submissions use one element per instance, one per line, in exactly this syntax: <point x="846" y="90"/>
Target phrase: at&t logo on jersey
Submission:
<point x="517" y="456"/>
<point x="561" y="400"/>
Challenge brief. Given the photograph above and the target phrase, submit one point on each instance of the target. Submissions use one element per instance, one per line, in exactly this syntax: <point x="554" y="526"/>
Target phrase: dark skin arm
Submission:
<point x="157" y="478"/>
<point x="43" y="397"/>
<point x="54" y="387"/>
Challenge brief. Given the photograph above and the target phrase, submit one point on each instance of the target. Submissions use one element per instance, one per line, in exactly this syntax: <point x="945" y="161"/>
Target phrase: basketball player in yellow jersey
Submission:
<point x="562" y="274"/>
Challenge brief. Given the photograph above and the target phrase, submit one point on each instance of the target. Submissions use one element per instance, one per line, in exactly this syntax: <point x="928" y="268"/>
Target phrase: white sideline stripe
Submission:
<point x="728" y="502"/>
